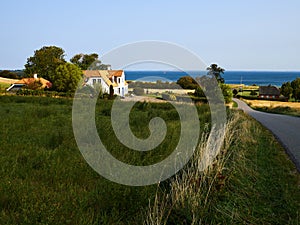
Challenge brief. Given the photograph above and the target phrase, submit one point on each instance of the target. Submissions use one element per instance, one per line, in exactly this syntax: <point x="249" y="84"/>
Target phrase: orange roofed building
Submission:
<point x="29" y="82"/>
<point x="111" y="81"/>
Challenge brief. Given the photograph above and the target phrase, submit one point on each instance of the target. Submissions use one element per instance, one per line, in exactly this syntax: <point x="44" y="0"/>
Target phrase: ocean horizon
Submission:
<point x="260" y="78"/>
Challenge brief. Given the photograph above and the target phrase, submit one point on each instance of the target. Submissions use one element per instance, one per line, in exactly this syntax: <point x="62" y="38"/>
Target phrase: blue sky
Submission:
<point x="236" y="34"/>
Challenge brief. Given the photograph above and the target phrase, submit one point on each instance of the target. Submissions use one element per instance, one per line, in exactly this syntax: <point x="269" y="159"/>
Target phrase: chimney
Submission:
<point x="35" y="76"/>
<point x="108" y="67"/>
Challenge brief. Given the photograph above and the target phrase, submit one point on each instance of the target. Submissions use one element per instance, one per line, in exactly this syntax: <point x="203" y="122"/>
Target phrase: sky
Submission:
<point x="235" y="34"/>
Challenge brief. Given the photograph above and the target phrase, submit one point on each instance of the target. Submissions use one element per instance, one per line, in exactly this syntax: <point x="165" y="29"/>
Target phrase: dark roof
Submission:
<point x="269" y="90"/>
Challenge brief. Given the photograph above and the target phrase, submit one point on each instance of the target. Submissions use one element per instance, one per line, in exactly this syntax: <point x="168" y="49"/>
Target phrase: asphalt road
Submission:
<point x="285" y="128"/>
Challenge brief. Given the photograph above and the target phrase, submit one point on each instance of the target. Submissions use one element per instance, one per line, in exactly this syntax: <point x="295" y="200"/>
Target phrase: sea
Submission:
<point x="260" y="78"/>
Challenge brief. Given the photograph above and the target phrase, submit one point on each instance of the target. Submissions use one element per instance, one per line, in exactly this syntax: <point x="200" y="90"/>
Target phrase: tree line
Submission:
<point x="49" y="63"/>
<point x="15" y="74"/>
<point x="188" y="82"/>
<point x="214" y="71"/>
<point x="291" y="89"/>
<point x="153" y="85"/>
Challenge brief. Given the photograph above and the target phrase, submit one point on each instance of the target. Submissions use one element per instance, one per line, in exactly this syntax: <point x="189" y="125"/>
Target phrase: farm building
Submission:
<point x="31" y="83"/>
<point x="267" y="92"/>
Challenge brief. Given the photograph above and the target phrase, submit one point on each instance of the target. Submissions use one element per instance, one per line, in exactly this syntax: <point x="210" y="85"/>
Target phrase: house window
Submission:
<point x="119" y="80"/>
<point x="99" y="81"/>
<point x="119" y="90"/>
<point x="94" y="81"/>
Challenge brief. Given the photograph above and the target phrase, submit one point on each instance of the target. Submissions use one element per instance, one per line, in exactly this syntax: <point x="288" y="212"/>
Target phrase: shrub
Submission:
<point x="253" y="93"/>
<point x="169" y="97"/>
<point x="235" y="92"/>
<point x="138" y="91"/>
<point x="227" y="93"/>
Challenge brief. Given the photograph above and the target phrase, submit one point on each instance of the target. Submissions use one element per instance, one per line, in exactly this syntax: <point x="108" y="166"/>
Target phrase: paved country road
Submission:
<point x="285" y="128"/>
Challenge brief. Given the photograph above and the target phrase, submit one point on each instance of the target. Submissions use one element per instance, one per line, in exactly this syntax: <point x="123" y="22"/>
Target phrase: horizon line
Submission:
<point x="170" y="70"/>
<point x="231" y="70"/>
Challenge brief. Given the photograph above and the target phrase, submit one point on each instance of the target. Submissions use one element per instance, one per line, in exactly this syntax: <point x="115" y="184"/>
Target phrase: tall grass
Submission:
<point x="45" y="180"/>
<point x="247" y="183"/>
<point x="189" y="198"/>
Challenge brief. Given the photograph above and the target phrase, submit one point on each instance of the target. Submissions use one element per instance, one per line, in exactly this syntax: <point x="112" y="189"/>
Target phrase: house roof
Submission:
<point x="269" y="90"/>
<point x="45" y="83"/>
<point x="106" y="75"/>
<point x="115" y="73"/>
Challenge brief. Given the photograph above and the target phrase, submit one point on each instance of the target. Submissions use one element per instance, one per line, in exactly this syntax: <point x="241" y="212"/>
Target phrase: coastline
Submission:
<point x="248" y="78"/>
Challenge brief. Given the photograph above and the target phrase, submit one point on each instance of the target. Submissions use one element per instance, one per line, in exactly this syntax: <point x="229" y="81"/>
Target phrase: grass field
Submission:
<point x="243" y="86"/>
<point x="45" y="180"/>
<point x="288" y="108"/>
<point x="3" y="86"/>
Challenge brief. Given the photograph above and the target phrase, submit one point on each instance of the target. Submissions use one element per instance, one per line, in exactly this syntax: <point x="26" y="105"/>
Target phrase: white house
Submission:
<point x="110" y="80"/>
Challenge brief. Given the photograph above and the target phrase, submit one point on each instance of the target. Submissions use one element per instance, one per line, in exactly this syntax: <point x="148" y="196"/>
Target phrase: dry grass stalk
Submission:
<point x="192" y="187"/>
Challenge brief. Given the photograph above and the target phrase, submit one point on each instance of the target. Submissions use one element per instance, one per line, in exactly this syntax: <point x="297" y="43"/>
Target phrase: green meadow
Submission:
<point x="45" y="179"/>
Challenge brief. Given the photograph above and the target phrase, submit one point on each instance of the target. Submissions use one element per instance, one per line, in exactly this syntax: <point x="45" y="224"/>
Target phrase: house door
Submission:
<point x="111" y="91"/>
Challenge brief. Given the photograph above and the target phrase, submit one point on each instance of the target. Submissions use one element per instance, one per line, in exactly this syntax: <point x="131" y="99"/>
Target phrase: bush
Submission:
<point x="199" y="92"/>
<point x="234" y="92"/>
<point x="138" y="91"/>
<point x="168" y="97"/>
<point x="253" y="93"/>
<point x="40" y="92"/>
<point x="227" y="93"/>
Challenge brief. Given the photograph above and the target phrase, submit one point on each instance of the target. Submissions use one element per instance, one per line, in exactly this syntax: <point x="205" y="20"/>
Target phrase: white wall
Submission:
<point x="121" y="90"/>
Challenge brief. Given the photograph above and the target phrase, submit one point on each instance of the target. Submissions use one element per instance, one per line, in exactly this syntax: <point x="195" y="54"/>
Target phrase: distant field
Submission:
<point x="238" y="86"/>
<point x="7" y="80"/>
<point x="288" y="108"/>
<point x="5" y="83"/>
<point x="273" y="104"/>
<point x="175" y="91"/>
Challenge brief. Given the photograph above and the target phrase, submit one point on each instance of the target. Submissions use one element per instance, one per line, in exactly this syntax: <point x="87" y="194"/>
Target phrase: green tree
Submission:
<point x="296" y="88"/>
<point x="8" y="74"/>
<point x="66" y="77"/>
<point x="85" y="61"/>
<point x="286" y="90"/>
<point x="216" y="71"/>
<point x="235" y="92"/>
<point x="227" y="92"/>
<point x="253" y="93"/>
<point x="187" y="82"/>
<point x="44" y="62"/>
<point x="199" y="92"/>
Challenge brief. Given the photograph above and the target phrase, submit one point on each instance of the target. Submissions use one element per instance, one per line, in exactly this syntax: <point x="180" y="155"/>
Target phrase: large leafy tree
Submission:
<point x="296" y="88"/>
<point x="44" y="62"/>
<point x="66" y="77"/>
<point x="86" y="61"/>
<point x="187" y="82"/>
<point x="216" y="71"/>
<point x="286" y="90"/>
